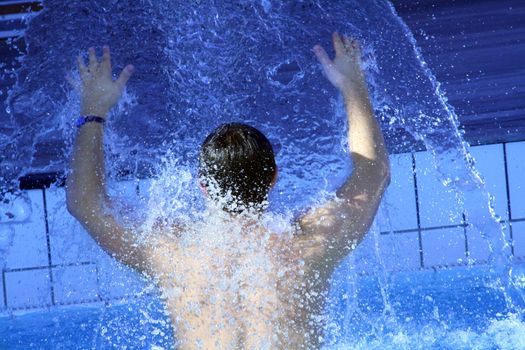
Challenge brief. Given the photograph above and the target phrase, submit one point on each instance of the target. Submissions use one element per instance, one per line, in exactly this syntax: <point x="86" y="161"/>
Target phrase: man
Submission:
<point x="230" y="282"/>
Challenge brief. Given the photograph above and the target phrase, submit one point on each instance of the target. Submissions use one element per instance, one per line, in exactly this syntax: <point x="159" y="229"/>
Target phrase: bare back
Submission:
<point x="229" y="287"/>
<point x="255" y="290"/>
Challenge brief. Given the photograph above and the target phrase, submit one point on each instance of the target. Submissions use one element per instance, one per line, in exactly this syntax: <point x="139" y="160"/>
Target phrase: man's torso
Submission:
<point x="262" y="293"/>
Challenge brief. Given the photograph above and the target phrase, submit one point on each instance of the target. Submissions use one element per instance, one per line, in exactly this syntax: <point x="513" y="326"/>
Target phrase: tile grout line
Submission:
<point x="467" y="252"/>
<point x="49" y="260"/>
<point x="4" y="288"/>
<point x="18" y="269"/>
<point x="99" y="294"/>
<point x="507" y="189"/>
<point x="423" y="229"/>
<point x="418" y="216"/>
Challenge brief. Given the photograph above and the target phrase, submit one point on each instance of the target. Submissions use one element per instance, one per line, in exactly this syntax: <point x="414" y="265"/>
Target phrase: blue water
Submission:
<point x="203" y="63"/>
<point x="449" y="309"/>
<point x="445" y="309"/>
<point x="138" y="324"/>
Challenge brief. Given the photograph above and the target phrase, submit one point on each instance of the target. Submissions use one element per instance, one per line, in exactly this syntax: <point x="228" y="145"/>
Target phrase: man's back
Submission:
<point x="240" y="288"/>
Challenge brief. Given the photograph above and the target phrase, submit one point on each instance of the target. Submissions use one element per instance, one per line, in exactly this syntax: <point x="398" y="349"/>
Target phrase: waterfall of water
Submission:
<point x="201" y="63"/>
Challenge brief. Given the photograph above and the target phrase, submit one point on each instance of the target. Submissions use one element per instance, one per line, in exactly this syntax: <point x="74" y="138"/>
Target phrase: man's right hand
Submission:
<point x="344" y="72"/>
<point x="99" y="92"/>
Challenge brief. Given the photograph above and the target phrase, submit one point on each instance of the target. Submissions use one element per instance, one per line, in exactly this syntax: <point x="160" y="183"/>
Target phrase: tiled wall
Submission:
<point x="53" y="261"/>
<point x="427" y="227"/>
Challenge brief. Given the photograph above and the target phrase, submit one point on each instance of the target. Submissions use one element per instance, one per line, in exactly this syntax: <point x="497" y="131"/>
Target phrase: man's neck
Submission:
<point x="250" y="221"/>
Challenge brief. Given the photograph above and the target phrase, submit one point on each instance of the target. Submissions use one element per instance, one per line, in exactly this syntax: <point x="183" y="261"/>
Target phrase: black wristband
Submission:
<point x="89" y="118"/>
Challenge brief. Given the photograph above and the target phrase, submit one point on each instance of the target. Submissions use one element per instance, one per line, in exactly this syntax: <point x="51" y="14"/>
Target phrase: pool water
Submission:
<point x="137" y="324"/>
<point x="446" y="309"/>
<point x="459" y="308"/>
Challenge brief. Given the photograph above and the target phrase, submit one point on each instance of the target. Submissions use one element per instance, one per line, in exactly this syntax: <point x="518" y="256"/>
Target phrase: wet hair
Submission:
<point x="237" y="167"/>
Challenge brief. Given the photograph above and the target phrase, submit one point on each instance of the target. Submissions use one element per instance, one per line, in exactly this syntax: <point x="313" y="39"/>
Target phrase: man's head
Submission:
<point x="237" y="167"/>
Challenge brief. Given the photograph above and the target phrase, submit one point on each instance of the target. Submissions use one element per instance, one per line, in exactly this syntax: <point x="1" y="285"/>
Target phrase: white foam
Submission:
<point x="504" y="334"/>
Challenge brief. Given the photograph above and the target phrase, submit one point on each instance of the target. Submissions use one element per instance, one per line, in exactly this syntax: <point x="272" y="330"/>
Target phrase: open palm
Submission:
<point x="345" y="70"/>
<point x="99" y="91"/>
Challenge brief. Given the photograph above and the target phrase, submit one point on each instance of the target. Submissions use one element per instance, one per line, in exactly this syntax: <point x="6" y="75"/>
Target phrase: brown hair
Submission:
<point x="237" y="167"/>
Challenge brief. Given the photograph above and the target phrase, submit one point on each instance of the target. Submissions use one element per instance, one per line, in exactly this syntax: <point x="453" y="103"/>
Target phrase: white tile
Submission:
<point x="7" y="235"/>
<point x="70" y="243"/>
<point x="490" y="163"/>
<point x="478" y="246"/>
<point x="443" y="247"/>
<point x="126" y="198"/>
<point x="507" y="235"/>
<point x="123" y="189"/>
<point x="479" y="240"/>
<point x="399" y="203"/>
<point x="27" y="289"/>
<point x="29" y="247"/>
<point x="438" y="205"/>
<point x="518" y="237"/>
<point x="362" y="260"/>
<point x="15" y="208"/>
<point x="118" y="281"/>
<point x="144" y="186"/>
<point x="75" y="284"/>
<point x="399" y="251"/>
<point x="68" y="240"/>
<point x="516" y="168"/>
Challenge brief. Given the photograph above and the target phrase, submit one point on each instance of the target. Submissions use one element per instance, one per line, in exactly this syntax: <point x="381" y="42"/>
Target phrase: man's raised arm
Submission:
<point x="337" y="226"/>
<point x="87" y="199"/>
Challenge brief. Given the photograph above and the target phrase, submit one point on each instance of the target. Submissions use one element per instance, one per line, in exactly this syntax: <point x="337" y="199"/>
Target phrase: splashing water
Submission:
<point x="203" y="63"/>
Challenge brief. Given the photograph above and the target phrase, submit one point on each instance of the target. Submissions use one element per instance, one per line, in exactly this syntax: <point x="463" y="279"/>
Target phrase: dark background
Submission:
<point x="476" y="49"/>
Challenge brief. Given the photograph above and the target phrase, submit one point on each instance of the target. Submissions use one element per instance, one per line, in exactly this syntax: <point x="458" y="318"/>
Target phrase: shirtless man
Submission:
<point x="230" y="282"/>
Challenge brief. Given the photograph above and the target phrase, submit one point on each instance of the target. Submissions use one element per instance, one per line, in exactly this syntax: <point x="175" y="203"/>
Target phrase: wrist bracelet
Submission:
<point x="89" y="118"/>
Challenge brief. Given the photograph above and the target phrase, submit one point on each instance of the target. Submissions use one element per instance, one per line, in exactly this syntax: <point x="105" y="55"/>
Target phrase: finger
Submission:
<point x="106" y="59"/>
<point x="346" y="41"/>
<point x="93" y="63"/>
<point x="124" y="76"/>
<point x="82" y="67"/>
<point x="355" y="45"/>
<point x="338" y="44"/>
<point x="322" y="56"/>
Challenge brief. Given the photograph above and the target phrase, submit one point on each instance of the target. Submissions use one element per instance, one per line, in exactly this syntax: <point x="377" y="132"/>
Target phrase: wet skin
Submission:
<point x="246" y="293"/>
